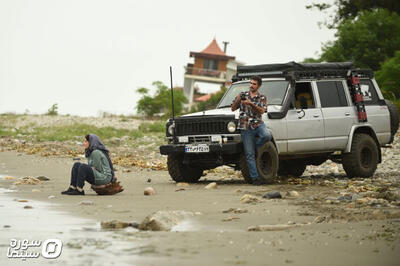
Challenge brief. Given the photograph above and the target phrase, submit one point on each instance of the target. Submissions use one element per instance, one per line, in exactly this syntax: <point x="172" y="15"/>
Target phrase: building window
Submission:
<point x="210" y="64"/>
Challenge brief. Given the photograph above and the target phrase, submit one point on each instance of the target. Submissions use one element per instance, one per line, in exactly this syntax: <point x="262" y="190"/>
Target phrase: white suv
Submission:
<point x="315" y="112"/>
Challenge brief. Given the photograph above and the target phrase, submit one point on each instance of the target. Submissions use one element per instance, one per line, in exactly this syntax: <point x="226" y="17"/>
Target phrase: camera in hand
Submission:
<point x="243" y="97"/>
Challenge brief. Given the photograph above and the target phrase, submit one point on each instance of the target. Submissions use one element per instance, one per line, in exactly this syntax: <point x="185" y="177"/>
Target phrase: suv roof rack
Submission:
<point x="298" y="71"/>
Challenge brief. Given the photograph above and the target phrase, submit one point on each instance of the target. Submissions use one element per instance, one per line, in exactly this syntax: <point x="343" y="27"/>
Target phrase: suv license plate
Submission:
<point x="197" y="148"/>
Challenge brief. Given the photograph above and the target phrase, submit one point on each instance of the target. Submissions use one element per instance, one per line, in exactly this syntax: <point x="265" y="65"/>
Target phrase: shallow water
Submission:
<point x="83" y="242"/>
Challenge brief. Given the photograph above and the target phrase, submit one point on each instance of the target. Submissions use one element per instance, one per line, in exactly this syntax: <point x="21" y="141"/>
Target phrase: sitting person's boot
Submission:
<point x="66" y="192"/>
<point x="76" y="192"/>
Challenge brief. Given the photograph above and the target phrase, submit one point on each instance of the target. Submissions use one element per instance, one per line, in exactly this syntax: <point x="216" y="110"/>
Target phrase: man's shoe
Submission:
<point x="76" y="192"/>
<point x="259" y="182"/>
<point x="70" y="189"/>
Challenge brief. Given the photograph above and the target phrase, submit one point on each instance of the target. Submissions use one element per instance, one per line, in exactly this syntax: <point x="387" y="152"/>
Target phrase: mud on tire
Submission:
<point x="180" y="172"/>
<point x="394" y="119"/>
<point x="363" y="158"/>
<point x="267" y="162"/>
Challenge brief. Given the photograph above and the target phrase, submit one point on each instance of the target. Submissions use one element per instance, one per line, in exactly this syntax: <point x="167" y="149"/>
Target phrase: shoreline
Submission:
<point x="213" y="236"/>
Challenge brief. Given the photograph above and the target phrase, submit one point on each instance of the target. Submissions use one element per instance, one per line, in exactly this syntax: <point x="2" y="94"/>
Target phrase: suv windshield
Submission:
<point x="274" y="91"/>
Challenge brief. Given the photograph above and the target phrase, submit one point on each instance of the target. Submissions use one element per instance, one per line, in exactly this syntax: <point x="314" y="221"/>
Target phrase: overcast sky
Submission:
<point x="92" y="55"/>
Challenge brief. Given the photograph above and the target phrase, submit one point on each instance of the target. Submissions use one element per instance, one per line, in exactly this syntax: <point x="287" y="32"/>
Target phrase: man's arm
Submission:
<point x="235" y="104"/>
<point x="261" y="108"/>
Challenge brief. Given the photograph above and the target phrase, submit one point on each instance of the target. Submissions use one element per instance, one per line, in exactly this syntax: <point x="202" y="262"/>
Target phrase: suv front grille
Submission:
<point x="199" y="125"/>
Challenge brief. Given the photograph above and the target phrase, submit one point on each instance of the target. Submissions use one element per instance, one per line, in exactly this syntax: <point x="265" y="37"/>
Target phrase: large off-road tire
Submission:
<point x="180" y="172"/>
<point x="267" y="162"/>
<point x="291" y="167"/>
<point x="244" y="169"/>
<point x="394" y="119"/>
<point x="363" y="158"/>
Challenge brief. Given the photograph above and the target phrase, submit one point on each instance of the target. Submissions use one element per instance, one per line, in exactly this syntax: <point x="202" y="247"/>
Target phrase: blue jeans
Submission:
<point x="250" y="143"/>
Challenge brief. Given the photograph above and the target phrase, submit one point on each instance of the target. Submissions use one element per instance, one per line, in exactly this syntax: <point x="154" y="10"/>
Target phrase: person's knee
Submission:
<point x="76" y="165"/>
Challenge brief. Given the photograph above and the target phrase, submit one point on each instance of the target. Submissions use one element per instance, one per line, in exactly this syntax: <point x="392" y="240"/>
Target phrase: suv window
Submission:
<point x="304" y="93"/>
<point x="274" y="91"/>
<point x="369" y="92"/>
<point x="331" y="94"/>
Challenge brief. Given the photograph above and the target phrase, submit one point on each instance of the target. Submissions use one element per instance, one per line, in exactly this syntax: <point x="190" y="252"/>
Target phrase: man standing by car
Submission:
<point x="252" y="105"/>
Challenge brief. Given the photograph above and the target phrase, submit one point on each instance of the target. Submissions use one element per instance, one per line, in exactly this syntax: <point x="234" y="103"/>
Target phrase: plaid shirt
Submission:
<point x="248" y="117"/>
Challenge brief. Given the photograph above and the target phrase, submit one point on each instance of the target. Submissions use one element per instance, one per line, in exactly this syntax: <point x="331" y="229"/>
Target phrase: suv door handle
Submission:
<point x="347" y="114"/>
<point x="316" y="115"/>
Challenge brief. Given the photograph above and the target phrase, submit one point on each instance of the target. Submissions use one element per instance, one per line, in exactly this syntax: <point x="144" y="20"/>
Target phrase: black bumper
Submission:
<point x="226" y="148"/>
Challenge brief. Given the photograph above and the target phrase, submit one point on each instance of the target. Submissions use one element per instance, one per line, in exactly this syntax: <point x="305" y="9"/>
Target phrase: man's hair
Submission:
<point x="258" y="79"/>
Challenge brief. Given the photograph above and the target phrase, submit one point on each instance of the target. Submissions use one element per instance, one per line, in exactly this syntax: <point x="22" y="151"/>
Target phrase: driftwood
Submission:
<point x="111" y="188"/>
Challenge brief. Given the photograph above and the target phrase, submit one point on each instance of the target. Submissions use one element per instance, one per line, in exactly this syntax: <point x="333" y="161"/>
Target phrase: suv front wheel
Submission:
<point x="267" y="163"/>
<point x="180" y="172"/>
<point x="363" y="158"/>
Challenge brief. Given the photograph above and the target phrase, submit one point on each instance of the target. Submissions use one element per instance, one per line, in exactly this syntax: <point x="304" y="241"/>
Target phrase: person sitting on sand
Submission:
<point x="98" y="171"/>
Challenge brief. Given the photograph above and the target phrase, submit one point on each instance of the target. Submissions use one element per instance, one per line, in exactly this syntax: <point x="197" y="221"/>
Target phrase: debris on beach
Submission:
<point x="114" y="224"/>
<point x="27" y="180"/>
<point x="247" y="198"/>
<point x="230" y="218"/>
<point x="43" y="178"/>
<point x="86" y="202"/>
<point x="272" y="195"/>
<point x="28" y="207"/>
<point x="212" y="185"/>
<point x="235" y="210"/>
<point x="149" y="191"/>
<point x="22" y="200"/>
<point x="182" y="184"/>
<point x="273" y="227"/>
<point x="164" y="220"/>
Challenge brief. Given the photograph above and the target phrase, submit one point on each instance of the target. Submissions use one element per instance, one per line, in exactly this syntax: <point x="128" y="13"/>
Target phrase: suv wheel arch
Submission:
<point x="363" y="129"/>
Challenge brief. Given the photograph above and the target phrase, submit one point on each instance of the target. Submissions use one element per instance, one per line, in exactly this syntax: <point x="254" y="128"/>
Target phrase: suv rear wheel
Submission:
<point x="292" y="167"/>
<point x="363" y="158"/>
<point x="180" y="172"/>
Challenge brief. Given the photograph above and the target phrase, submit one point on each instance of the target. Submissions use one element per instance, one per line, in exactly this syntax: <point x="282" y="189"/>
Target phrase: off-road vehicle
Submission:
<point x="315" y="112"/>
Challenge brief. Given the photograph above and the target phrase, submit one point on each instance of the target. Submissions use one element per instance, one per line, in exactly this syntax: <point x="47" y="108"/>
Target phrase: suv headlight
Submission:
<point x="171" y="129"/>
<point x="231" y="127"/>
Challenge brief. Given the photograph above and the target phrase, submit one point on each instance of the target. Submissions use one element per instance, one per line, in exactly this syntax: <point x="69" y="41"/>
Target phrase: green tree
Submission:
<point x="349" y="9"/>
<point x="53" y="110"/>
<point x="160" y="101"/>
<point x="368" y="40"/>
<point x="388" y="77"/>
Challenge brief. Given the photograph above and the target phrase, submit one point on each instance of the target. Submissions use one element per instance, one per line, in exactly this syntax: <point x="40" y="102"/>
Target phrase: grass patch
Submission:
<point x="157" y="126"/>
<point x="78" y="130"/>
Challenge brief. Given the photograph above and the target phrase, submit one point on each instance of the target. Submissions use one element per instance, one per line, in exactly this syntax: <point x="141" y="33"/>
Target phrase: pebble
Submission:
<point x="35" y="190"/>
<point x="6" y="226"/>
<point x="86" y="202"/>
<point x="114" y="224"/>
<point x="182" y="184"/>
<point x="51" y="197"/>
<point x="149" y="191"/>
<point x="22" y="200"/>
<point x="292" y="193"/>
<point x="43" y="178"/>
<point x="272" y="195"/>
<point x="28" y="207"/>
<point x="319" y="219"/>
<point x="212" y="185"/>
<point x="247" y="198"/>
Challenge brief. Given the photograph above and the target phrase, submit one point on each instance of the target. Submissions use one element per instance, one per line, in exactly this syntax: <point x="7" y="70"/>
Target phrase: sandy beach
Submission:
<point x="313" y="232"/>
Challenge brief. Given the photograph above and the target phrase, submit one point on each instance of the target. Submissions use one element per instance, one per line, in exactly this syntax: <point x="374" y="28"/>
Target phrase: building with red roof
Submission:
<point x="211" y="65"/>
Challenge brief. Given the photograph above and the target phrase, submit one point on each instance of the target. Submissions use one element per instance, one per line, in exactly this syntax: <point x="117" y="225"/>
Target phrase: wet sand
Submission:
<point x="205" y="239"/>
